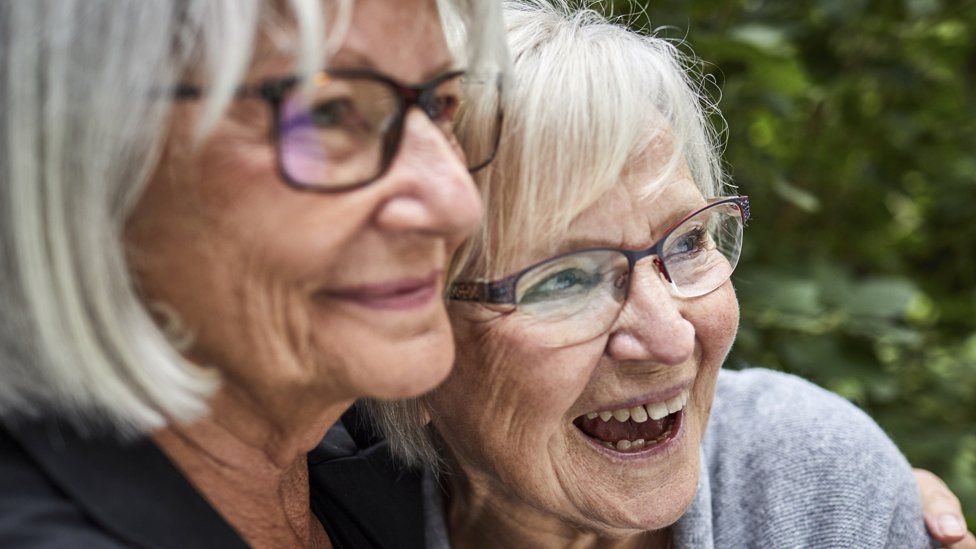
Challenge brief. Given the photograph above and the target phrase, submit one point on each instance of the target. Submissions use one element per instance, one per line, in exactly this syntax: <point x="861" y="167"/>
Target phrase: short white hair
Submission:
<point x="588" y="98"/>
<point x="85" y="100"/>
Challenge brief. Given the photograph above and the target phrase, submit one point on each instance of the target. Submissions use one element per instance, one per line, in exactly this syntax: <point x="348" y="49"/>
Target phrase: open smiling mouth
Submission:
<point x="634" y="429"/>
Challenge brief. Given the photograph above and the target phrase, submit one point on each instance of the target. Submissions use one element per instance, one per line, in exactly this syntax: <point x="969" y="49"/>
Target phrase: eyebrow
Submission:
<point x="350" y="59"/>
<point x="673" y="219"/>
<point x="578" y="243"/>
<point x="572" y="245"/>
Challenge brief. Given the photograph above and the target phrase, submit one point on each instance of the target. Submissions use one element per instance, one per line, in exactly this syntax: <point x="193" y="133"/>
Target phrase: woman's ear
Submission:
<point x="424" y="415"/>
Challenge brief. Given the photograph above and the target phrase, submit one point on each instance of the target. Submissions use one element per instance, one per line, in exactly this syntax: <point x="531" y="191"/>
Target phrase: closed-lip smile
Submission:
<point x="401" y="294"/>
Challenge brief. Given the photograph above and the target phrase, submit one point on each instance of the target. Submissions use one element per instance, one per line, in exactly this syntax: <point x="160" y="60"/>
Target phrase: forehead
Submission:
<point x="403" y="39"/>
<point x="633" y="214"/>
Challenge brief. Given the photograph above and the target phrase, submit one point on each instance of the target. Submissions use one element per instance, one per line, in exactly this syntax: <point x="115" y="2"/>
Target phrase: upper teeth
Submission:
<point x="641" y="413"/>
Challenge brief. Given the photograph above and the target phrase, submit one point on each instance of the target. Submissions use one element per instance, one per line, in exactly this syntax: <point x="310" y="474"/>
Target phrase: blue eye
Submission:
<point x="690" y="242"/>
<point x="565" y="283"/>
<point x="443" y="108"/>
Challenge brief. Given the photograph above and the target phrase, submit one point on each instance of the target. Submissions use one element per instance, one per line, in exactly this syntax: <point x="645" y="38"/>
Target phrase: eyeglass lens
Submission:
<point x="578" y="296"/>
<point x="342" y="131"/>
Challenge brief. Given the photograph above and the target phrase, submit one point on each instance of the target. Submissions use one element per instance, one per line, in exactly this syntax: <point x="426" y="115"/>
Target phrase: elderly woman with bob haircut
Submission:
<point x="592" y="314"/>
<point x="221" y="222"/>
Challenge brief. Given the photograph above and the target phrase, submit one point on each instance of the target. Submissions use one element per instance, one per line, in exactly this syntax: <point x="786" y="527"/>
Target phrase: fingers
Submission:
<point x="943" y="512"/>
<point x="968" y="542"/>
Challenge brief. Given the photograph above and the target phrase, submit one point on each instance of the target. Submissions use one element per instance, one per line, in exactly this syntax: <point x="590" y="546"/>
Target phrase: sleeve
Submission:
<point x="907" y="527"/>
<point x="802" y="467"/>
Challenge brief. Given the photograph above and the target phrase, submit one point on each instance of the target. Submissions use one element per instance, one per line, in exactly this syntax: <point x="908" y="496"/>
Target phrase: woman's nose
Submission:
<point x="430" y="189"/>
<point x="651" y="326"/>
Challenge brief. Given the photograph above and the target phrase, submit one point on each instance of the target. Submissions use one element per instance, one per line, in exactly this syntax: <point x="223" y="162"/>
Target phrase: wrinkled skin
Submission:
<point x="258" y="273"/>
<point x="506" y="411"/>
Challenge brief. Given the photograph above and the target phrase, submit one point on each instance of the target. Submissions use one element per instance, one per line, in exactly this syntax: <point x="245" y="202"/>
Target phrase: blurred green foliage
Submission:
<point x="852" y="127"/>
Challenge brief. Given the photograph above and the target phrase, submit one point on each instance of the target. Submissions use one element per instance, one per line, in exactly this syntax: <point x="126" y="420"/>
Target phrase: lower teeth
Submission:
<point x="639" y="444"/>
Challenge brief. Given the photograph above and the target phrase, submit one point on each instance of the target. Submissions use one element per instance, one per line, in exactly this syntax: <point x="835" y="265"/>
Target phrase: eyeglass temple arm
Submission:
<point x="500" y="291"/>
<point x="271" y="89"/>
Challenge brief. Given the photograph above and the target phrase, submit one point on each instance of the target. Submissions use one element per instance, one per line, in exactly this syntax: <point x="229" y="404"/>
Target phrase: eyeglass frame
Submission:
<point x="274" y="90"/>
<point x="502" y="291"/>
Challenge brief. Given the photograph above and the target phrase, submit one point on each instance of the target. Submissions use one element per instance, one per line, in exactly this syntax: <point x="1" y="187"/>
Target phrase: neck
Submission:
<point x="248" y="459"/>
<point x="481" y="517"/>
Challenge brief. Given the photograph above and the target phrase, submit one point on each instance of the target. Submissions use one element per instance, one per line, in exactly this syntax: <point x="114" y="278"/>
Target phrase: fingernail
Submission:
<point x="951" y="525"/>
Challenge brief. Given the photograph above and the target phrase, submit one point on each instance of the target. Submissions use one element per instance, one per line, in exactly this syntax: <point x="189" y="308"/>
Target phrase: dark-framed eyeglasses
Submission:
<point x="576" y="296"/>
<point x="342" y="129"/>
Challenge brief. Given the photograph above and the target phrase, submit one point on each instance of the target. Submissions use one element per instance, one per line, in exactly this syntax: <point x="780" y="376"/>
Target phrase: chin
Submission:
<point x="669" y="507"/>
<point x="406" y="369"/>
<point x="369" y="357"/>
<point x="654" y="511"/>
<point x="645" y="503"/>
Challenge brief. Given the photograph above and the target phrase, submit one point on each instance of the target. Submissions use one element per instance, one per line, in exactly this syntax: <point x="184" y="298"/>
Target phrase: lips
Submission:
<point x="628" y="436"/>
<point x="402" y="294"/>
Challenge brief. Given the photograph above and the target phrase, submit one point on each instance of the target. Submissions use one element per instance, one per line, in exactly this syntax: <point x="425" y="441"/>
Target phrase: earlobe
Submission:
<point x="424" y="417"/>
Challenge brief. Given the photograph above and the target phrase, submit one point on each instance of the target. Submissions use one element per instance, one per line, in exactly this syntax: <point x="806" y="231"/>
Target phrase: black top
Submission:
<point x="377" y="503"/>
<point x="59" y="489"/>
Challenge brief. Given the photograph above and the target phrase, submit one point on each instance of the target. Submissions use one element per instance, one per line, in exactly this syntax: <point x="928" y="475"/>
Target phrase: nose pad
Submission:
<point x="662" y="269"/>
<point x="651" y="326"/>
<point x="623" y="282"/>
<point x="429" y="187"/>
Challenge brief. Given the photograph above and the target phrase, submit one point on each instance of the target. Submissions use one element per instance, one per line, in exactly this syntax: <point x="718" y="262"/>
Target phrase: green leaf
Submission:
<point x="881" y="297"/>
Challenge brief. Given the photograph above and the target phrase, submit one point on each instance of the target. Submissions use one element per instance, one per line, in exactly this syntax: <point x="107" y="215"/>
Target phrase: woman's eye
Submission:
<point x="560" y="285"/>
<point x="690" y="242"/>
<point x="443" y="108"/>
<point x="337" y="114"/>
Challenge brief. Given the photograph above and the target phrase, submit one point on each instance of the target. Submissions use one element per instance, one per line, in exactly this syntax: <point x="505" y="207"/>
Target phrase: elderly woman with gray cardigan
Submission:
<point x="592" y="314"/>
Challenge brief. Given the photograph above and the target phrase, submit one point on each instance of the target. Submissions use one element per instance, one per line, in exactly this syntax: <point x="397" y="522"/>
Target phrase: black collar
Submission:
<point x="353" y="475"/>
<point x="130" y="489"/>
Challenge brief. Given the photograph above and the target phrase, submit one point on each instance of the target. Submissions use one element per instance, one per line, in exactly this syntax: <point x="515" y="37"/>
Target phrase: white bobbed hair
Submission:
<point x="85" y="98"/>
<point x="588" y="99"/>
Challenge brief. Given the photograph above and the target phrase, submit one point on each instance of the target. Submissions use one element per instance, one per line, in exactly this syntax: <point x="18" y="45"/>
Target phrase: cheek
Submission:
<point x="716" y="321"/>
<point x="504" y="404"/>
<point x="286" y="233"/>
<point x="232" y="251"/>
